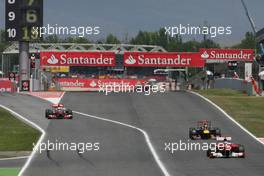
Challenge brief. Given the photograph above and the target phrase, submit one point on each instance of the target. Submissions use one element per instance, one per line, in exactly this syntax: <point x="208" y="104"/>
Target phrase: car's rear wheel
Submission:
<point x="241" y="149"/>
<point x="48" y="113"/>
<point x="209" y="154"/>
<point x="244" y="155"/>
<point x="217" y="132"/>
<point x="69" y="112"/>
<point x="192" y="133"/>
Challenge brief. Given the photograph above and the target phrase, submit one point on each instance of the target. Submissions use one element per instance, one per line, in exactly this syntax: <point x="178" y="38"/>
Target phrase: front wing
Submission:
<point x="226" y="155"/>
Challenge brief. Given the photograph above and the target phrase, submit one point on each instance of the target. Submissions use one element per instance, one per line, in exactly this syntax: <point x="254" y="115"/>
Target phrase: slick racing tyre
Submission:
<point x="209" y="154"/>
<point x="192" y="133"/>
<point x="48" y="112"/>
<point x="69" y="112"/>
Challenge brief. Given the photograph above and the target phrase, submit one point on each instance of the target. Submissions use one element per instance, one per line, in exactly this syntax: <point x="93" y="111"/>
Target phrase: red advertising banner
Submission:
<point x="6" y="86"/>
<point x="4" y="79"/>
<point x="227" y="54"/>
<point x="78" y="84"/>
<point x="77" y="59"/>
<point x="158" y="59"/>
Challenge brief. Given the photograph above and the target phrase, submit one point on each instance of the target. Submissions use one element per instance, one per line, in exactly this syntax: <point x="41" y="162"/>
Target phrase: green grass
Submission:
<point x="248" y="111"/>
<point x="9" y="171"/>
<point x="221" y="92"/>
<point x="14" y="134"/>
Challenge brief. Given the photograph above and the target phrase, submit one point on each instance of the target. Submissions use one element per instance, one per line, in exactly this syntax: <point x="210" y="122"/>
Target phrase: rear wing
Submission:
<point x="57" y="105"/>
<point x="223" y="138"/>
<point x="204" y="122"/>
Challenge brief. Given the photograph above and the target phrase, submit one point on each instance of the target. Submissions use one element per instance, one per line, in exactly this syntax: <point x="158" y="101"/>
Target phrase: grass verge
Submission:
<point x="14" y="134"/>
<point x="9" y="171"/>
<point x="248" y="111"/>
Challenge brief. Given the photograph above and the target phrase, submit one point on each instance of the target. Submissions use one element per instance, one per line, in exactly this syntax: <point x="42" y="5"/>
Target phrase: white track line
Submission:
<point x="38" y="143"/>
<point x="152" y="149"/>
<point x="14" y="158"/>
<point x="228" y="116"/>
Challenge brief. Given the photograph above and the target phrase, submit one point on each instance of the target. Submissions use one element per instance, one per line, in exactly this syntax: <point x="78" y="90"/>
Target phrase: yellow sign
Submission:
<point x="59" y="69"/>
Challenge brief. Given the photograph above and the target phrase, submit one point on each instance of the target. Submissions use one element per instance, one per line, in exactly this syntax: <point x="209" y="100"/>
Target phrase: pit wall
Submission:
<point x="251" y="88"/>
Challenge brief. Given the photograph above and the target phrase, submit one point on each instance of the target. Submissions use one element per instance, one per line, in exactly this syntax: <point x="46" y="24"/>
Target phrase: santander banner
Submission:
<point x="158" y="59"/>
<point x="77" y="59"/>
<point x="227" y="54"/>
<point x="6" y="86"/>
<point x="78" y="84"/>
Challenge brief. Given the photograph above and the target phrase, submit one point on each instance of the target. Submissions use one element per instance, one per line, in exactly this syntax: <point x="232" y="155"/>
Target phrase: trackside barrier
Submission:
<point x="7" y="86"/>
<point x="94" y="85"/>
<point x="85" y="84"/>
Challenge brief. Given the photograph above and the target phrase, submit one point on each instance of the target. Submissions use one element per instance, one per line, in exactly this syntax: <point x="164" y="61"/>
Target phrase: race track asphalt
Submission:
<point x="14" y="163"/>
<point x="123" y="150"/>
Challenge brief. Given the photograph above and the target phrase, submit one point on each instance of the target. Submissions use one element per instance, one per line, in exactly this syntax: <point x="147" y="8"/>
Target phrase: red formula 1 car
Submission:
<point x="58" y="111"/>
<point x="226" y="149"/>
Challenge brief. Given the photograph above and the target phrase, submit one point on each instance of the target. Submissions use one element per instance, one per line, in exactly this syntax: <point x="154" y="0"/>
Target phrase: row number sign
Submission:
<point x="23" y="19"/>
